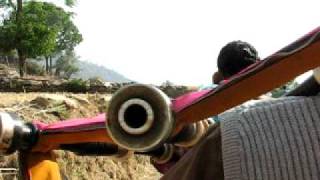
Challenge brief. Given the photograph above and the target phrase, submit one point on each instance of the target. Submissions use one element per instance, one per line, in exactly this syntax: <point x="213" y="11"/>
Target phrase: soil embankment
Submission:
<point x="54" y="107"/>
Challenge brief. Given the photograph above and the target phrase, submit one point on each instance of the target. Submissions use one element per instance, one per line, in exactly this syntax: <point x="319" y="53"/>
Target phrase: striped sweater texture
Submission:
<point x="277" y="139"/>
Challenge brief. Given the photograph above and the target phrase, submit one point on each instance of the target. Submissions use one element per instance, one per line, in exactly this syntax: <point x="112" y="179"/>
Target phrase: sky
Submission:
<point x="153" y="41"/>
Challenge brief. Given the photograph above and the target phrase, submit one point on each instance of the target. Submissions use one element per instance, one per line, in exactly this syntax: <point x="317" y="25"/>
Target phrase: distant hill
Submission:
<point x="89" y="70"/>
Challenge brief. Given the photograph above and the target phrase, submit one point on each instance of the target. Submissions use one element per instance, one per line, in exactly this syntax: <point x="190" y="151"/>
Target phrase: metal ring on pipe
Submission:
<point x="147" y="120"/>
<point x="166" y="156"/>
<point x="200" y="130"/>
<point x="139" y="118"/>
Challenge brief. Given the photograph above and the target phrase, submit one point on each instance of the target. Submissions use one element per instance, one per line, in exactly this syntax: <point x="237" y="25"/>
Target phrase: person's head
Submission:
<point x="236" y="56"/>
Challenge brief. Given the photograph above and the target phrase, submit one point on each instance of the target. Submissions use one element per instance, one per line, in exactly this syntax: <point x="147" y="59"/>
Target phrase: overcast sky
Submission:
<point x="179" y="40"/>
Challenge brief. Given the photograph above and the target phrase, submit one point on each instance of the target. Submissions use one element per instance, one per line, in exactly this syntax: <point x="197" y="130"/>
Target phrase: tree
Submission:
<point x="8" y="56"/>
<point x="68" y="37"/>
<point x="33" y="29"/>
<point x="11" y="4"/>
<point x="66" y="64"/>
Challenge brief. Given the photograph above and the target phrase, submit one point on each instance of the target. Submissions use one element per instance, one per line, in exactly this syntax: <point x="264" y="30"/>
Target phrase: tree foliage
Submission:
<point x="76" y="85"/>
<point x="7" y="33"/>
<point x="35" y="37"/>
<point x="66" y="64"/>
<point x="42" y="29"/>
<point x="10" y="3"/>
<point x="35" y="68"/>
<point x="7" y="4"/>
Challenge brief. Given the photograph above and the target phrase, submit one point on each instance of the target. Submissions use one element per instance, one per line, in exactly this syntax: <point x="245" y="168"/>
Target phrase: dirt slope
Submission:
<point x="53" y="107"/>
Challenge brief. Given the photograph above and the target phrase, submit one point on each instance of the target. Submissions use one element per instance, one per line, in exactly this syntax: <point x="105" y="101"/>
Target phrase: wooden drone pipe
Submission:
<point x="72" y="131"/>
<point x="39" y="137"/>
<point x="141" y="118"/>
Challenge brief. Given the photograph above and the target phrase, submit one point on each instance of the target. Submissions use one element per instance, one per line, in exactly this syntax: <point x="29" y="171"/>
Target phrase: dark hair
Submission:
<point x="236" y="56"/>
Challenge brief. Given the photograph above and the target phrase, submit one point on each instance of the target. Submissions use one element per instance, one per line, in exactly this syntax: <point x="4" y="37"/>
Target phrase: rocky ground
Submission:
<point x="54" y="107"/>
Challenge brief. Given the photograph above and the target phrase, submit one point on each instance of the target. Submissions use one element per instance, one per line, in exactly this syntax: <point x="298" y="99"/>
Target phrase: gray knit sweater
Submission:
<point x="277" y="139"/>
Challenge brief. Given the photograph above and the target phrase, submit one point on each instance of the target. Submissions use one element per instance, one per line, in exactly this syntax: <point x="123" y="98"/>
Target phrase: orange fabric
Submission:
<point x="42" y="166"/>
<point x="53" y="141"/>
<point x="250" y="87"/>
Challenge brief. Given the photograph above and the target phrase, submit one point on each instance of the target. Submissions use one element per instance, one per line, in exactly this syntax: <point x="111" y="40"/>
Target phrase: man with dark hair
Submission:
<point x="235" y="57"/>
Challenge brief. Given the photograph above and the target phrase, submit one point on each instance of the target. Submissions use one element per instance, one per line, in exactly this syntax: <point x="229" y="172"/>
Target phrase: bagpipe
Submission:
<point x="142" y="119"/>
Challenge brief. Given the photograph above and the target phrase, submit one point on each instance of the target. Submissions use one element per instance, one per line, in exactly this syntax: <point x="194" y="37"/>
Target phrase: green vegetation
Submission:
<point x="76" y="85"/>
<point x="37" y="29"/>
<point x="41" y="31"/>
<point x="34" y="68"/>
<point x="66" y="65"/>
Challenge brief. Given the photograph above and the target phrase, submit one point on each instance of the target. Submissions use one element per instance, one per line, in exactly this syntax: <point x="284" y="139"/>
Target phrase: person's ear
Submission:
<point x="217" y="77"/>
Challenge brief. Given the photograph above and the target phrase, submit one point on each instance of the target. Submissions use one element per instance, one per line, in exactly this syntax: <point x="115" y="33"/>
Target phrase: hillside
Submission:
<point x="88" y="70"/>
